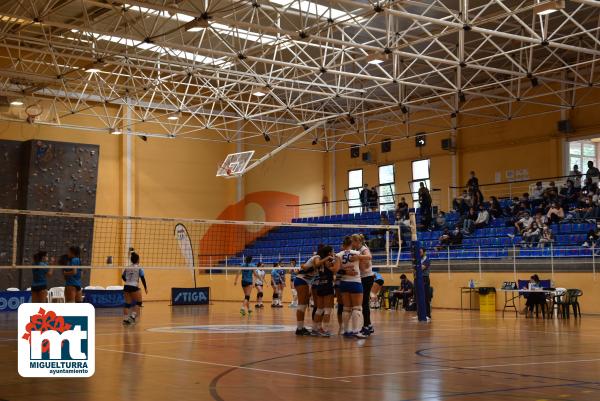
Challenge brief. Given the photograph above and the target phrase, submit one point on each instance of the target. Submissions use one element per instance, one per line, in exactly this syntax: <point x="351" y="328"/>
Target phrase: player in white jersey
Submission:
<point x="350" y="288"/>
<point x="367" y="278"/>
<point x="259" y="281"/>
<point x="303" y="281"/>
<point x="132" y="275"/>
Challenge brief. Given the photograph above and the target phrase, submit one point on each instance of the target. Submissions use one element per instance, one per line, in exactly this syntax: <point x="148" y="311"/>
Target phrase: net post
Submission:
<point x="479" y="260"/>
<point x="552" y="261"/>
<point x="515" y="262"/>
<point x="210" y="267"/>
<point x="449" y="273"/>
<point x="14" y="242"/>
<point x="419" y="282"/>
<point x="387" y="247"/>
<point x="226" y="268"/>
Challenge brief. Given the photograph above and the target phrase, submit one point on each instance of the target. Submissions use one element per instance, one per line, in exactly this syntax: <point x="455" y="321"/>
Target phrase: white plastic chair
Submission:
<point x="56" y="293"/>
<point x="90" y="287"/>
<point x="28" y="289"/>
<point x="99" y="287"/>
<point x="13" y="289"/>
<point x="114" y="288"/>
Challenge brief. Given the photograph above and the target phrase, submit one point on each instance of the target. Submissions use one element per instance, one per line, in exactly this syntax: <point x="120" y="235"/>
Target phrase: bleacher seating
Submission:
<point x="492" y="242"/>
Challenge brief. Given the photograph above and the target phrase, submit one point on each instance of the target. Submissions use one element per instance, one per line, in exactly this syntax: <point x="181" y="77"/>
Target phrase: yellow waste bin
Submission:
<point x="487" y="300"/>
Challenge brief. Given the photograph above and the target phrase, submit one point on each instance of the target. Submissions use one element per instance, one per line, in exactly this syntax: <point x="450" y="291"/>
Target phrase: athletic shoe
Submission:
<point x="302" y="332"/>
<point x="132" y="319"/>
<point x="428" y="319"/>
<point x="243" y="312"/>
<point x="314" y="333"/>
<point x="348" y="334"/>
<point x="127" y="321"/>
<point x="371" y="329"/>
<point x="365" y="332"/>
<point x="360" y="335"/>
<point x="324" y="333"/>
<point x="249" y="311"/>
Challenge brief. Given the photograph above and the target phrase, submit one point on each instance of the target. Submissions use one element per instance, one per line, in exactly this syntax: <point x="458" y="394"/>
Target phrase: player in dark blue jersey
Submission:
<point x="247" y="282"/>
<point x="73" y="292"/>
<point x="324" y="294"/>
<point x="39" y="283"/>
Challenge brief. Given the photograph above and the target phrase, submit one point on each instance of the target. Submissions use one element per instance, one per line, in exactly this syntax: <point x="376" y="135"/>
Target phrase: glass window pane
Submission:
<point x="386" y="194"/>
<point x="575" y="148"/>
<point x="386" y="207"/>
<point x="355" y="179"/>
<point x="386" y="174"/>
<point x="354" y="201"/>
<point x="589" y="149"/>
<point x="587" y="159"/>
<point x="576" y="161"/>
<point x="420" y="169"/>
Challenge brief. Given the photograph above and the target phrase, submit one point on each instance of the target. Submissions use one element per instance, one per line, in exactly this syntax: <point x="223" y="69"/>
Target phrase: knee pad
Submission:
<point x="319" y="312"/>
<point x="327" y="311"/>
<point x="247" y="297"/>
<point x="294" y="292"/>
<point x="348" y="309"/>
<point x="139" y="303"/>
<point x="260" y="294"/>
<point x="340" y="309"/>
<point x="127" y="306"/>
<point x="301" y="308"/>
<point x="357" y="309"/>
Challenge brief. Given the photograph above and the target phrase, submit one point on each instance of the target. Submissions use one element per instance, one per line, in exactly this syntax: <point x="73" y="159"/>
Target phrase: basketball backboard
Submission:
<point x="235" y="164"/>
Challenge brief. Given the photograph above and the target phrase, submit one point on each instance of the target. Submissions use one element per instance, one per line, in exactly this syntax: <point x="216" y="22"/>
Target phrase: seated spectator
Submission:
<point x="404" y="292"/>
<point x="495" y="208"/>
<point x="402" y="210"/>
<point x="515" y="208"/>
<point x="469" y="221"/>
<point x="576" y="176"/>
<point x="440" y="221"/>
<point x="592" y="172"/>
<point x="586" y="209"/>
<point x="538" y="192"/>
<point x="483" y="217"/>
<point x="523" y="223"/>
<point x="531" y="236"/>
<point x="456" y="237"/>
<point x="551" y="193"/>
<point x="592" y="237"/>
<point x="462" y="203"/>
<point x="444" y="240"/>
<point x="555" y="213"/>
<point x="525" y="201"/>
<point x="547" y="237"/>
<point x="589" y="187"/>
<point x="569" y="193"/>
<point x="540" y="219"/>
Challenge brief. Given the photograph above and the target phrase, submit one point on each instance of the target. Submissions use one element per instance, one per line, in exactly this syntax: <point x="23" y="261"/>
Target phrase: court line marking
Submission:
<point x="465" y="367"/>
<point x="222" y="365"/>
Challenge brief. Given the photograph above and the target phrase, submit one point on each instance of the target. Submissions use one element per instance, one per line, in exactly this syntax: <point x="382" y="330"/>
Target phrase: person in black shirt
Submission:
<point x="364" y="198"/>
<point x="402" y="210"/>
<point x="425" y="203"/>
<point x="474" y="191"/>
<point x="373" y="198"/>
<point x="592" y="170"/>
<point x="404" y="292"/>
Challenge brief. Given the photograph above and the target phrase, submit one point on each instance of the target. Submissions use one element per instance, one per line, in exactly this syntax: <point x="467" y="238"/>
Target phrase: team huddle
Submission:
<point x="346" y="276"/>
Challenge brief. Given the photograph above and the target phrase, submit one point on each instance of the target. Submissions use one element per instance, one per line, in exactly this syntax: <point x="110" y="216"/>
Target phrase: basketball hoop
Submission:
<point x="33" y="111"/>
<point x="234" y="164"/>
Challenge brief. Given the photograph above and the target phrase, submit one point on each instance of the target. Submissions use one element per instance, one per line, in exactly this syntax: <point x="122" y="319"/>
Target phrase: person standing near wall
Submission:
<point x="364" y="198"/>
<point x="425" y="267"/>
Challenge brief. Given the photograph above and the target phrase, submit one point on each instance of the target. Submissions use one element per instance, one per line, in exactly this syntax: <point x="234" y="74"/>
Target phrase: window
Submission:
<point x="355" y="183"/>
<point x="581" y="152"/>
<point x="387" y="187"/>
<point x="420" y="173"/>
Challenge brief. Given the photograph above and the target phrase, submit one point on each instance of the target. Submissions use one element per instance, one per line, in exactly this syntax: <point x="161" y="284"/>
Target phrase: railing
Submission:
<point x="343" y="206"/>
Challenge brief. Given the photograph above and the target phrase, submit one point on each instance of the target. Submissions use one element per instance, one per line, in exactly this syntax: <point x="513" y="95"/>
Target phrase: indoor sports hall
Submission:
<point x="299" y="199"/>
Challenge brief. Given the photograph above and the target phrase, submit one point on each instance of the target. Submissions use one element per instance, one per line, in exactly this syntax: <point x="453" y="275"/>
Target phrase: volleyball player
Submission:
<point x="351" y="289"/>
<point x="246" y="284"/>
<point x="259" y="280"/>
<point x="367" y="278"/>
<point x="377" y="286"/>
<point x="276" y="284"/>
<point x="132" y="276"/>
<point x="281" y="286"/>
<point x="293" y="271"/>
<point x="304" y="280"/>
<point x="324" y="294"/>
<point x="72" y="276"/>
<point x="39" y="284"/>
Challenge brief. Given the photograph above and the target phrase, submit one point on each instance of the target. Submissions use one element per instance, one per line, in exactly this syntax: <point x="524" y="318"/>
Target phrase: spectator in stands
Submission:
<point x="373" y="199"/>
<point x="531" y="236"/>
<point x="364" y="198"/>
<point x="569" y="193"/>
<point x="592" y="237"/>
<point x="592" y="170"/>
<point x="469" y="222"/>
<point x="547" y="237"/>
<point x="589" y="187"/>
<point x="456" y="237"/>
<point x="404" y="292"/>
<point x="555" y="213"/>
<point x="576" y="176"/>
<point x="402" y="210"/>
<point x="514" y="208"/>
<point x="540" y="218"/>
<point x="523" y="223"/>
<point x="425" y="204"/>
<point x="586" y="208"/>
<point x="440" y="221"/>
<point x="551" y="193"/>
<point x="495" y="209"/>
<point x="483" y="217"/>
<point x="526" y="201"/>
<point x="462" y="203"/>
<point x="474" y="191"/>
<point x="537" y="194"/>
<point x="444" y="240"/>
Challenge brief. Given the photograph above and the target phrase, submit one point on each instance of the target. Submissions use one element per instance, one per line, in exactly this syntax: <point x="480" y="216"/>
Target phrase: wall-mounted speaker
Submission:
<point x="565" y="126"/>
<point x="354" y="151"/>
<point x="446" y="144"/>
<point x="386" y="146"/>
<point x="367" y="157"/>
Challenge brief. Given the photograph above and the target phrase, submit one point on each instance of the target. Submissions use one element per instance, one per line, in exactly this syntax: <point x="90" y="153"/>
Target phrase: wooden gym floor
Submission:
<point x="459" y="356"/>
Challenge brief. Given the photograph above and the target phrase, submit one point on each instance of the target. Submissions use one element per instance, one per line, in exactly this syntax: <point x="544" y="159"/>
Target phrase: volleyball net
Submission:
<point x="171" y="243"/>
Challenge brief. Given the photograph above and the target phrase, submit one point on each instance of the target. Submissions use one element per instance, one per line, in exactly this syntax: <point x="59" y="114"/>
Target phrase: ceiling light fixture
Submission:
<point x="376" y="58"/>
<point x="174" y="117"/>
<point x="258" y="93"/>
<point x="548" y="7"/>
<point x="115" y="131"/>
<point x="17" y="102"/>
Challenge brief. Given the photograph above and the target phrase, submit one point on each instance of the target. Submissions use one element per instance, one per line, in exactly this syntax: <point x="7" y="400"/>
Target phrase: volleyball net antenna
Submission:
<point x="172" y="243"/>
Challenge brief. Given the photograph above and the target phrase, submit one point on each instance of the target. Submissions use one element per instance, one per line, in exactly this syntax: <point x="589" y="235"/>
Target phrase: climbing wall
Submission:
<point x="58" y="177"/>
<point x="10" y="166"/>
